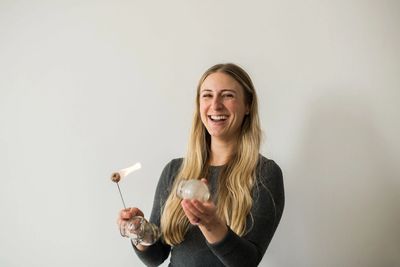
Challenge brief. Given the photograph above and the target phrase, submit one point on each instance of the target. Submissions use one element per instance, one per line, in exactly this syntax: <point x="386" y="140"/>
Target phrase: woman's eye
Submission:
<point x="206" y="95"/>
<point x="228" y="95"/>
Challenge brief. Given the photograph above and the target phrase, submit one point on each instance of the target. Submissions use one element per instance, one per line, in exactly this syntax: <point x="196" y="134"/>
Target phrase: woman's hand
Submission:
<point x="204" y="214"/>
<point x="125" y="215"/>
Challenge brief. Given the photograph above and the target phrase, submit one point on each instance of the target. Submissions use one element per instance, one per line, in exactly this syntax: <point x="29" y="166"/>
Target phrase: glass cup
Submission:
<point x="140" y="231"/>
<point x="193" y="189"/>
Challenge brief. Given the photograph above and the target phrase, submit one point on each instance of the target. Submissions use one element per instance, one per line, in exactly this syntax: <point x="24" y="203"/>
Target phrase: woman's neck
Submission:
<point x="221" y="151"/>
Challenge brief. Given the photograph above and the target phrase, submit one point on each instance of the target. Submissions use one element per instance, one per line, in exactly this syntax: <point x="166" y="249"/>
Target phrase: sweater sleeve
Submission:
<point x="157" y="253"/>
<point x="268" y="203"/>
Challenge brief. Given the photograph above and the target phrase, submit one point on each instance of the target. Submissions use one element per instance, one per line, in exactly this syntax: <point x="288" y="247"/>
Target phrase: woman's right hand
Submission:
<point x="127" y="214"/>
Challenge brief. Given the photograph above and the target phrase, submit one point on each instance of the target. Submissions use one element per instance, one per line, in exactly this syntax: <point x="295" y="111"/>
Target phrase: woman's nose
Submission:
<point x="217" y="103"/>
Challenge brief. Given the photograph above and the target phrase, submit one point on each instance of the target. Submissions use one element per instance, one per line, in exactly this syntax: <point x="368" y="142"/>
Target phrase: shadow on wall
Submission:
<point x="342" y="196"/>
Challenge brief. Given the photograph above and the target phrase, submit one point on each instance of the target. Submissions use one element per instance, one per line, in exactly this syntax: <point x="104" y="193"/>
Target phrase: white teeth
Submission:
<point x="218" y="118"/>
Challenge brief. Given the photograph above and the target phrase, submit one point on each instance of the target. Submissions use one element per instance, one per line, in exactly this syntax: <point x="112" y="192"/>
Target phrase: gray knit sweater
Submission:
<point x="233" y="250"/>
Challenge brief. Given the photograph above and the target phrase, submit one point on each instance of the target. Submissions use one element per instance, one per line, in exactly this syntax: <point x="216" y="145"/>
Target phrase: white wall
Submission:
<point x="88" y="87"/>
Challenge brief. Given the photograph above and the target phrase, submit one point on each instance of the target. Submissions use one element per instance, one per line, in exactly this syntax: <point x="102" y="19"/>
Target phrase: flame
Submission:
<point x="117" y="176"/>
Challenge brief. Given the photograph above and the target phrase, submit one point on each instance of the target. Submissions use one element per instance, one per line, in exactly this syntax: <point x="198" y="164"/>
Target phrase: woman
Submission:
<point x="235" y="227"/>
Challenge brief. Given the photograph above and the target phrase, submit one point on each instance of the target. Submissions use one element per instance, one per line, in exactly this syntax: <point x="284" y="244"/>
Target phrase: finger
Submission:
<point x="136" y="212"/>
<point x="121" y="221"/>
<point x="193" y="219"/>
<point x="204" y="180"/>
<point x="128" y="213"/>
<point x="198" y="205"/>
<point x="208" y="208"/>
<point x="188" y="204"/>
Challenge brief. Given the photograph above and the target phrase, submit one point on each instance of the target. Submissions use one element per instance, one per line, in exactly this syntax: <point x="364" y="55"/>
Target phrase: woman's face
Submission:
<point x="222" y="106"/>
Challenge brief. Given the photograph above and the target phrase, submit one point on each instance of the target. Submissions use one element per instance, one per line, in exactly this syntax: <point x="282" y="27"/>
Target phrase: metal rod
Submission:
<point x="123" y="202"/>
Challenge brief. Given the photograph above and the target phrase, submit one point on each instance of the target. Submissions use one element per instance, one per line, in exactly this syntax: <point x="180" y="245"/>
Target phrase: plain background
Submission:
<point x="89" y="87"/>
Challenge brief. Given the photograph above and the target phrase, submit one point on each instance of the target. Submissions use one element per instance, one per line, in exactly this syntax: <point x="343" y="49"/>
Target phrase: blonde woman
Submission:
<point x="234" y="227"/>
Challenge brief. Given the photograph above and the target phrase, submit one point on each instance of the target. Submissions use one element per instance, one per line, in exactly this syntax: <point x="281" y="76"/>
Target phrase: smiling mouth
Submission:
<point x="218" y="117"/>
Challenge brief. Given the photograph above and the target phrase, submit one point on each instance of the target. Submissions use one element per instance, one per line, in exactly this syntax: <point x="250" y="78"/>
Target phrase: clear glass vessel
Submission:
<point x="193" y="189"/>
<point x="140" y="231"/>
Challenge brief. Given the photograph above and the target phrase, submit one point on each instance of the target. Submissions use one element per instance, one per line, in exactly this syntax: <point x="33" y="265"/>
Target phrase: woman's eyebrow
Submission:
<point x="223" y="90"/>
<point x="228" y="90"/>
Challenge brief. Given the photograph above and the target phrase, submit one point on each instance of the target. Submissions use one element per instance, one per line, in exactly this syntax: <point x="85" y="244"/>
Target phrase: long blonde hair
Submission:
<point x="237" y="178"/>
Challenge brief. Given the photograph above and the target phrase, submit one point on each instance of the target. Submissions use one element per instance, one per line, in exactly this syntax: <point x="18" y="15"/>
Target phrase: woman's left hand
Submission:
<point x="204" y="214"/>
<point x="200" y="213"/>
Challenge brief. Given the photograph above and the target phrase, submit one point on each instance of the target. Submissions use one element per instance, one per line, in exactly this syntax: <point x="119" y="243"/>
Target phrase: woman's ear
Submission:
<point x="247" y="110"/>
